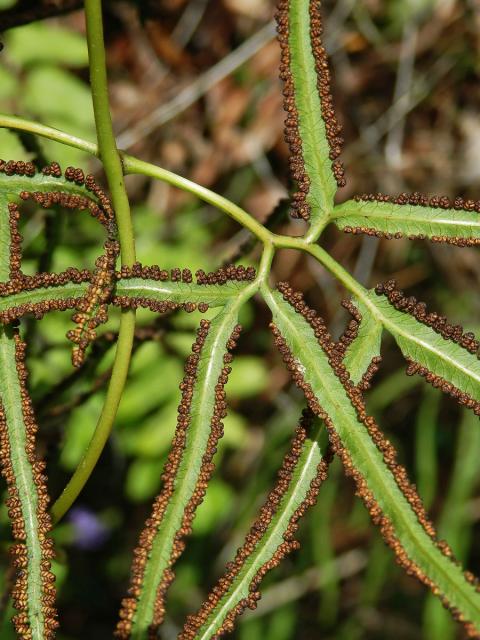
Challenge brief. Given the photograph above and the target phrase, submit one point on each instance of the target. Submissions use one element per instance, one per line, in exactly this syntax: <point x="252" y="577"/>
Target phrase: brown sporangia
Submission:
<point x="351" y="331"/>
<point x="169" y="477"/>
<point x="421" y="200"/>
<point x="446" y="387"/>
<point x="52" y="169"/>
<point x="440" y="325"/>
<point x="227" y="273"/>
<point x="366" y="381"/>
<point x="19" y="550"/>
<point x="93" y="307"/>
<point x="384" y="446"/>
<point x="72" y="201"/>
<point x="15" y="254"/>
<point x="257" y="531"/>
<point x="17" y="168"/>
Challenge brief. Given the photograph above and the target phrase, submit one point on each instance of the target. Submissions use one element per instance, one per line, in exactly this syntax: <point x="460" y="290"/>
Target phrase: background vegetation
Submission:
<point x="189" y="95"/>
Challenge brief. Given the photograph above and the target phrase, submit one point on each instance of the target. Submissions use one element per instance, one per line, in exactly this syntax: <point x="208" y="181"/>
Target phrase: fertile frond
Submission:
<point x="413" y="215"/>
<point x="271" y="536"/>
<point x="311" y="129"/>
<point x="155" y="291"/>
<point x="34" y="590"/>
<point x="368" y="457"/>
<point x="440" y="352"/>
<point x="186" y="474"/>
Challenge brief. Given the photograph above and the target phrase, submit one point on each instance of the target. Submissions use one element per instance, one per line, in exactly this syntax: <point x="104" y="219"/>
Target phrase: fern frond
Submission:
<point x="271" y="536"/>
<point x="413" y="215"/>
<point x="368" y="457"/>
<point x="311" y="128"/>
<point x="129" y="292"/>
<point x="185" y="476"/>
<point x="442" y="353"/>
<point x="34" y="590"/>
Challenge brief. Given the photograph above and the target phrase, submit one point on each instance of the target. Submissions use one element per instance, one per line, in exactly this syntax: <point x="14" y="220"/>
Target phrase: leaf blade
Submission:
<point x="146" y="612"/>
<point x="33" y="595"/>
<point x="15" y="305"/>
<point x="449" y="362"/>
<point x="311" y="128"/>
<point x="456" y="226"/>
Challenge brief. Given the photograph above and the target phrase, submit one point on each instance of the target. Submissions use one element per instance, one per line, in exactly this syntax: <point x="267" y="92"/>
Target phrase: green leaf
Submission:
<point x="388" y="218"/>
<point x="420" y="343"/>
<point x="26" y="486"/>
<point x="59" y="99"/>
<point x="313" y="366"/>
<point x="306" y="128"/>
<point x="169" y="531"/>
<point x="12" y="186"/>
<point x="40" y="42"/>
<point x="214" y="295"/>
<point x="218" y="613"/>
<point x="366" y="345"/>
<point x="152" y="290"/>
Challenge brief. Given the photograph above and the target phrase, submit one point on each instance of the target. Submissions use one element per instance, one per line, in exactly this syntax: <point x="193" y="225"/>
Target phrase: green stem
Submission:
<point x="107" y="145"/>
<point x="102" y="430"/>
<point x="265" y="262"/>
<point x="134" y="165"/>
<point x="50" y="133"/>
<point x="108" y="153"/>
<point x="302" y="244"/>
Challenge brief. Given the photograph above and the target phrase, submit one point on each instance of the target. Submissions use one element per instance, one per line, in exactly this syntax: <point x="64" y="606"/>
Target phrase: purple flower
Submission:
<point x="89" y="532"/>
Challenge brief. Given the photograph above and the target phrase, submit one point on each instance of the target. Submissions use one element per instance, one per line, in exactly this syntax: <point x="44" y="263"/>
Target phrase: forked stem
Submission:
<point x="108" y="153"/>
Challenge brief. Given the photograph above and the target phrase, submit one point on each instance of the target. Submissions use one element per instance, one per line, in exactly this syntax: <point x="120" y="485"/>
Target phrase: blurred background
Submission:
<point x="194" y="88"/>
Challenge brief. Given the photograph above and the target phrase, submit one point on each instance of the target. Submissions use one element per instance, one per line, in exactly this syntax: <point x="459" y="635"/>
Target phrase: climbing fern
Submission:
<point x="332" y="374"/>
